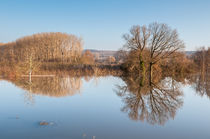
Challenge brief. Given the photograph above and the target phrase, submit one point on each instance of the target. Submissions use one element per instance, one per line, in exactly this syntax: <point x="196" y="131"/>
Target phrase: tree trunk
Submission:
<point x="150" y="73"/>
<point x="30" y="76"/>
<point x="142" y="69"/>
<point x="141" y="64"/>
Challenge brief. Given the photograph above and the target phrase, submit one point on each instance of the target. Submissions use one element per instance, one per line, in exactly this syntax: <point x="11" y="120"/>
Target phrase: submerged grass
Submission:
<point x="83" y="70"/>
<point x="64" y="69"/>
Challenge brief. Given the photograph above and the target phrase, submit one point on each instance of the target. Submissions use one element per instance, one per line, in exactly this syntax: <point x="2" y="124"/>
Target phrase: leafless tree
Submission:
<point x="164" y="42"/>
<point x="159" y="39"/>
<point x="137" y="40"/>
<point x="88" y="58"/>
<point x="120" y="56"/>
<point x="42" y="47"/>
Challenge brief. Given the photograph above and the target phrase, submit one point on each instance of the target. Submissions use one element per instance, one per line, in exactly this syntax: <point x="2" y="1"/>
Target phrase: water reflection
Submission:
<point x="158" y="100"/>
<point x="201" y="83"/>
<point x="155" y="102"/>
<point x="51" y="86"/>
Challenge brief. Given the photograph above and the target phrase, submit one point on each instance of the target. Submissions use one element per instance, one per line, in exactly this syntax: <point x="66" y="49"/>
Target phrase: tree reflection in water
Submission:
<point x="49" y="86"/>
<point x="201" y="83"/>
<point x="156" y="101"/>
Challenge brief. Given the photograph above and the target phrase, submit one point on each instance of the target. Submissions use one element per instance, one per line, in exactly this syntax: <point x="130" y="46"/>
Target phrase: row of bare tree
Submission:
<point x="202" y="59"/>
<point x="44" y="47"/>
<point x="32" y="51"/>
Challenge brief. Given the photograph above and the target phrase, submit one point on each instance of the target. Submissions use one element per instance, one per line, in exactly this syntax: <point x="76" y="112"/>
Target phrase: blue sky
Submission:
<point x="102" y="23"/>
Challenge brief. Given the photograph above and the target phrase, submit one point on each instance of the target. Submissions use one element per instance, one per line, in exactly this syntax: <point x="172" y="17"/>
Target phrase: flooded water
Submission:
<point x="103" y="108"/>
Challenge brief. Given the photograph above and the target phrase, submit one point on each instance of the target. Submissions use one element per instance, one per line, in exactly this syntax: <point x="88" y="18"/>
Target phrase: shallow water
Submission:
<point x="88" y="108"/>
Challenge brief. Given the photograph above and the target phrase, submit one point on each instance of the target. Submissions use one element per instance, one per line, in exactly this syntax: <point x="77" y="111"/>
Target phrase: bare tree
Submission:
<point x="163" y="43"/>
<point x="49" y="47"/>
<point x="159" y="39"/>
<point x="120" y="56"/>
<point x="111" y="59"/>
<point x="43" y="47"/>
<point x="88" y="58"/>
<point x="137" y="40"/>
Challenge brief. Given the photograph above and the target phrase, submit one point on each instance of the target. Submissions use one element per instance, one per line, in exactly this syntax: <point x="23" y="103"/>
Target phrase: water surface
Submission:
<point x="102" y="108"/>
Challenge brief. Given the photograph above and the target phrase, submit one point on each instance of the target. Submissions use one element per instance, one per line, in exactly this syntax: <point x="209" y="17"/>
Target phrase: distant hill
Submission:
<point x="106" y="53"/>
<point x="189" y="52"/>
<point x="101" y="54"/>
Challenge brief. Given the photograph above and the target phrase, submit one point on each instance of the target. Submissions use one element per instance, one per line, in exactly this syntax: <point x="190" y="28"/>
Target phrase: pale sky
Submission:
<point x="102" y="23"/>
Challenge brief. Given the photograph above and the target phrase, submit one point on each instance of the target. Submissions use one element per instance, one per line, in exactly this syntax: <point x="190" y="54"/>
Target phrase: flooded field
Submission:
<point x="103" y="108"/>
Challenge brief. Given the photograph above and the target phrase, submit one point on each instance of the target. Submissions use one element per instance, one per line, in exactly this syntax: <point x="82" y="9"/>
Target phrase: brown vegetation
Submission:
<point x="149" y="49"/>
<point x="56" y="53"/>
<point x="82" y="70"/>
<point x="154" y="48"/>
<point x="44" y="47"/>
<point x="88" y="58"/>
<point x="179" y="63"/>
<point x="202" y="59"/>
<point x="28" y="53"/>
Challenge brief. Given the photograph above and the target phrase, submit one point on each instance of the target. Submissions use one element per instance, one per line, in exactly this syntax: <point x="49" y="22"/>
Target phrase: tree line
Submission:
<point x="149" y="48"/>
<point x="44" y="47"/>
<point x="31" y="51"/>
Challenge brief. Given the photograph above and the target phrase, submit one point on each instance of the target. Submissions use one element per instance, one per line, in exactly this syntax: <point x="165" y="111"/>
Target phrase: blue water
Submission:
<point x="94" y="110"/>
